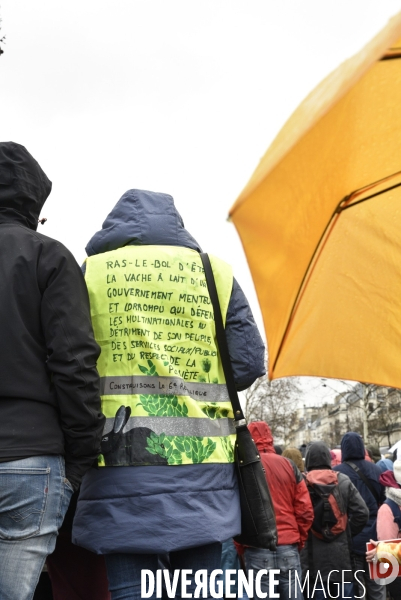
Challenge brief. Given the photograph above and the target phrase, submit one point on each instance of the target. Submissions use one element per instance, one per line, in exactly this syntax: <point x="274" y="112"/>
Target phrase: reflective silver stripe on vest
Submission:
<point x="178" y="426"/>
<point x="155" y="385"/>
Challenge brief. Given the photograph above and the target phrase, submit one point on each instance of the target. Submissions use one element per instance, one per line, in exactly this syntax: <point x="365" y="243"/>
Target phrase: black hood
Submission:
<point x="352" y="447"/>
<point x="317" y="457"/>
<point x="24" y="187"/>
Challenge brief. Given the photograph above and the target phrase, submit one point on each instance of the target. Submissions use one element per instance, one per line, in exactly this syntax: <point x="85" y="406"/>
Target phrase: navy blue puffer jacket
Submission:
<point x="165" y="508"/>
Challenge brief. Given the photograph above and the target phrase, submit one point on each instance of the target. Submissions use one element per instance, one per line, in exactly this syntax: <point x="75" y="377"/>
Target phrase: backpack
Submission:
<point x="330" y="517"/>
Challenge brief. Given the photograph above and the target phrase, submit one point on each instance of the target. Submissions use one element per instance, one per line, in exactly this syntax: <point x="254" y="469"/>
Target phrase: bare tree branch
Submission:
<point x="274" y="402"/>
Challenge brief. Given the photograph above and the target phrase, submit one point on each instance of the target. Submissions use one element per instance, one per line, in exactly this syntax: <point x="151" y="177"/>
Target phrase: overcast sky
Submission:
<point x="174" y="96"/>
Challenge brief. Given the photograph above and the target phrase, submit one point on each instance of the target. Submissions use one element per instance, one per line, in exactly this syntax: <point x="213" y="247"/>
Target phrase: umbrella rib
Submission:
<point x="393" y="52"/>
<point x="391" y="57"/>
<point x="341" y="208"/>
<point x="306" y="274"/>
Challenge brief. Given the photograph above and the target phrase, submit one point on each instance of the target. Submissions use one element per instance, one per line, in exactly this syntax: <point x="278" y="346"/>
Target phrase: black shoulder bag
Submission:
<point x="258" y="522"/>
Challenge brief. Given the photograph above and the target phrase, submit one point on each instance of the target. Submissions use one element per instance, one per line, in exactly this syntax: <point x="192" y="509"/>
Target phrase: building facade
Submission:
<point x="372" y="411"/>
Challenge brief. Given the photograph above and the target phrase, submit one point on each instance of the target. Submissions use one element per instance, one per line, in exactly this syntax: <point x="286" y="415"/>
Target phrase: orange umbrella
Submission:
<point x="320" y="222"/>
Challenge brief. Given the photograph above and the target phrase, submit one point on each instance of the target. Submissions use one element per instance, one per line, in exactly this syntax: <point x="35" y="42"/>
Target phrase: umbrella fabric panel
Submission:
<point x="281" y="222"/>
<point x="321" y="100"/>
<point x="352" y="300"/>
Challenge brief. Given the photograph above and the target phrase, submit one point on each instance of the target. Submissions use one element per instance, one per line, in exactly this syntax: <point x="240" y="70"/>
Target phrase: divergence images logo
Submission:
<point x="382" y="567"/>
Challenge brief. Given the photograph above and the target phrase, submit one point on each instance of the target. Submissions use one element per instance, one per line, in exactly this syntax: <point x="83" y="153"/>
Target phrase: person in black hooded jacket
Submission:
<point x="365" y="477"/>
<point x="330" y="563"/>
<point x="50" y="419"/>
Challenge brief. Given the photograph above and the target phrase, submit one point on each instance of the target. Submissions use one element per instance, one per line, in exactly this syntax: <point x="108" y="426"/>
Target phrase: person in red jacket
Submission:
<point x="294" y="516"/>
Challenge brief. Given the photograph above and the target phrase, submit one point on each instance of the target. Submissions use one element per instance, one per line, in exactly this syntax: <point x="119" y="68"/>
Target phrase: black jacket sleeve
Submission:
<point x="72" y="355"/>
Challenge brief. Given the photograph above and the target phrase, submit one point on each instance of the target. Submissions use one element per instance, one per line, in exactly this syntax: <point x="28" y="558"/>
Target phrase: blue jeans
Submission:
<point x="230" y="560"/>
<point x="124" y="570"/>
<point x="34" y="497"/>
<point x="286" y="559"/>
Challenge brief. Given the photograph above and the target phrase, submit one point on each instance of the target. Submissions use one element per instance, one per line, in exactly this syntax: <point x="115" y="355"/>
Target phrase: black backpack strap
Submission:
<point x="311" y="563"/>
<point x="365" y="480"/>
<point x="221" y="338"/>
<point x="395" y="509"/>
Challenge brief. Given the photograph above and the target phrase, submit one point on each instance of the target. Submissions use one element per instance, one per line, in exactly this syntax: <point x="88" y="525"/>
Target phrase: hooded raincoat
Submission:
<point x="49" y="386"/>
<point x="160" y="508"/>
<point x="292" y="505"/>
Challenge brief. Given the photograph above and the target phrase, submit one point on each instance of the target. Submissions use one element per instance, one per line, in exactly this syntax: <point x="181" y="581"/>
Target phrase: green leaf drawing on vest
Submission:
<point x="149" y="370"/>
<point x="160" y="405"/>
<point x="228" y="448"/>
<point x="163" y="446"/>
<point x="155" y="445"/>
<point x="215" y="412"/>
<point x="166" y="405"/>
<point x="206" y="366"/>
<point x="172" y="448"/>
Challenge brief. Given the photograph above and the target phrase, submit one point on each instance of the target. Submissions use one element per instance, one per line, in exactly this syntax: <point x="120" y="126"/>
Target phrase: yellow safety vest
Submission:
<point x="162" y="384"/>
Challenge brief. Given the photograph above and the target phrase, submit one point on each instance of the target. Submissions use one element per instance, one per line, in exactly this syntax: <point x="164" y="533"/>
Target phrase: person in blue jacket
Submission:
<point x="133" y="513"/>
<point x="365" y="477"/>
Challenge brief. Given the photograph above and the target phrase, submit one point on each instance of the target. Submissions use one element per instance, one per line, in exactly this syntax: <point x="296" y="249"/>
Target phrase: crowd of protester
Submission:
<point x="366" y="488"/>
<point x="365" y="506"/>
<point x="95" y="490"/>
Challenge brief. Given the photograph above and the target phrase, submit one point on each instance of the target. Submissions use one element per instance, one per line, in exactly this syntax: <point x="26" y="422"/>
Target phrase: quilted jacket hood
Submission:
<point x="142" y="218"/>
